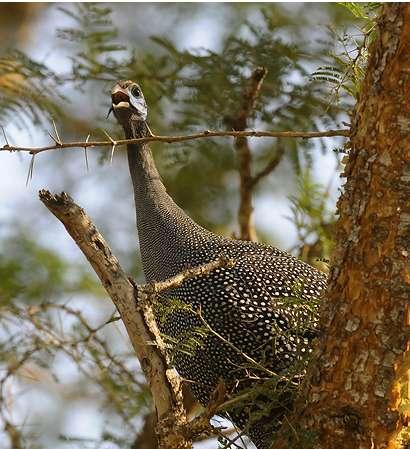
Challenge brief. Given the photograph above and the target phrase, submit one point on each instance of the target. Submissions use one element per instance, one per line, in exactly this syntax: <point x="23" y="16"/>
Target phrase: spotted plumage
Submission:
<point x="263" y="306"/>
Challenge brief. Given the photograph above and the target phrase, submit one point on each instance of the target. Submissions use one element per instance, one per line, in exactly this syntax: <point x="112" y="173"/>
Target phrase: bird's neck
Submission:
<point x="145" y="178"/>
<point x="164" y="229"/>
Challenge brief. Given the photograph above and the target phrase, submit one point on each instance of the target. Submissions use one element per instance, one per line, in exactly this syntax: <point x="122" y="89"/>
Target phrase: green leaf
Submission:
<point x="357" y="9"/>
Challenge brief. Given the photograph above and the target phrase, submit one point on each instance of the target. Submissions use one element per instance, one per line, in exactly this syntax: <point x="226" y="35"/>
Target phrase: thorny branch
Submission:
<point x="173" y="429"/>
<point x="239" y="124"/>
<point x="172" y="139"/>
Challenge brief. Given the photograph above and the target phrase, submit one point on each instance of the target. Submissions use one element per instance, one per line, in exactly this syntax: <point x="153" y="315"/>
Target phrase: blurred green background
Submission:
<point x="81" y="387"/>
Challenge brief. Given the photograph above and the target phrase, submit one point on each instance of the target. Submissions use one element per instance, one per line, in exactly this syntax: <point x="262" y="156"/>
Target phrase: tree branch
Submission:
<point x="240" y="123"/>
<point x="269" y="167"/>
<point x="247" y="229"/>
<point x="251" y="93"/>
<point x="173" y="430"/>
<point x="163" y="385"/>
<point x="180" y="278"/>
<point x="173" y="139"/>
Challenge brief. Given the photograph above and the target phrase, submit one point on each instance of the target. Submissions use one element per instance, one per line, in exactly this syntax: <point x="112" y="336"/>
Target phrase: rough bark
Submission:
<point x="358" y="386"/>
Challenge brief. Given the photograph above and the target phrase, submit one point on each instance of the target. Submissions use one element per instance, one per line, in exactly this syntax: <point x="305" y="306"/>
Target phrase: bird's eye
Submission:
<point x="135" y="92"/>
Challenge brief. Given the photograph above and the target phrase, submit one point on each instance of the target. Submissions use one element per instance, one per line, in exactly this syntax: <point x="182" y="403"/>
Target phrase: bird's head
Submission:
<point x="128" y="103"/>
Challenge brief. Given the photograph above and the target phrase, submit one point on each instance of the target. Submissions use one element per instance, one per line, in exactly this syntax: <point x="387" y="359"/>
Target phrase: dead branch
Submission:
<point x="173" y="430"/>
<point x="173" y="139"/>
<point x="177" y="280"/>
<point x="163" y="382"/>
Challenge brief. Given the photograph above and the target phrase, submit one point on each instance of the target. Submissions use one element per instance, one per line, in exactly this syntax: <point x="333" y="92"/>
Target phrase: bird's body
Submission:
<point x="249" y="308"/>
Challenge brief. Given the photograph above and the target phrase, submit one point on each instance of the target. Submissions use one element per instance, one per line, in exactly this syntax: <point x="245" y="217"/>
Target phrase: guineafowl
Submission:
<point x="263" y="309"/>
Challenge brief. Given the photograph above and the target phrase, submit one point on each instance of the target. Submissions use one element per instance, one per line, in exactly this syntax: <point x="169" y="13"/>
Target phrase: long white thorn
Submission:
<point x="53" y="138"/>
<point x="149" y="130"/>
<point x="56" y="132"/>
<point x="109" y="137"/>
<point x="114" y="144"/>
<point x="30" y="170"/>
<point x="5" y="136"/>
<point x="86" y="154"/>
<point x="112" y="153"/>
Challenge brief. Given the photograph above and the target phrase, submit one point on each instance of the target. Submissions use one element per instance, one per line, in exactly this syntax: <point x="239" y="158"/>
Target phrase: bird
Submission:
<point x="246" y="321"/>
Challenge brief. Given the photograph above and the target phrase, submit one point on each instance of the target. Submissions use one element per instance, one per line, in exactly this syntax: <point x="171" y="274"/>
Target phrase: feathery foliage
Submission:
<point x="350" y="60"/>
<point x="28" y="91"/>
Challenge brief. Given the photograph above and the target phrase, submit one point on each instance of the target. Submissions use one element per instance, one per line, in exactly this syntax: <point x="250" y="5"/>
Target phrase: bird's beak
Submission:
<point x="119" y="98"/>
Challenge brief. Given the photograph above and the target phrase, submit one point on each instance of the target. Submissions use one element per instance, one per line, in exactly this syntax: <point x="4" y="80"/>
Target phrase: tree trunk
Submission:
<point x="357" y="389"/>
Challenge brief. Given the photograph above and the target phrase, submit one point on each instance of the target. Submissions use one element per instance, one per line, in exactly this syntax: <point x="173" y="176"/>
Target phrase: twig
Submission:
<point x="243" y="354"/>
<point x="180" y="278"/>
<point x="173" y="139"/>
<point x="46" y="337"/>
<point x="270" y="166"/>
<point x="251" y="93"/>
